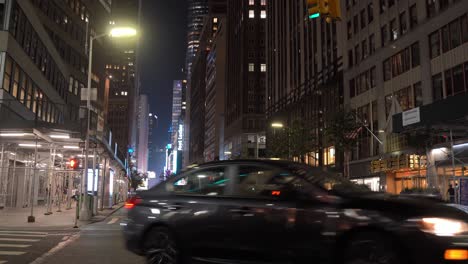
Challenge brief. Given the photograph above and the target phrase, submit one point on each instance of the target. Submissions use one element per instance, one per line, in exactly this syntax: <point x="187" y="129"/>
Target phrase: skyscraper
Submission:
<point x="197" y="11"/>
<point x="246" y="79"/>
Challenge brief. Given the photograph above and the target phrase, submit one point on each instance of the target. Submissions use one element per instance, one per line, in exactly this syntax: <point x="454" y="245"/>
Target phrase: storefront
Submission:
<point x="401" y="172"/>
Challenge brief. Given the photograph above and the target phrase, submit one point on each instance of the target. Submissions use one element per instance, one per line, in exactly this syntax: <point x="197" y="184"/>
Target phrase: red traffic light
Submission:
<point x="74" y="163"/>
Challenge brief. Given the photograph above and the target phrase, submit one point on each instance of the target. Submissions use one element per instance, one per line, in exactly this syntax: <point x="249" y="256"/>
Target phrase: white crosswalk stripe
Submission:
<point x="16" y="243"/>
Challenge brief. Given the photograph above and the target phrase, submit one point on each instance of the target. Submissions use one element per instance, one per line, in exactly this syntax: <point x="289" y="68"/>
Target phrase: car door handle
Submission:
<point x="242" y="210"/>
<point x="175" y="206"/>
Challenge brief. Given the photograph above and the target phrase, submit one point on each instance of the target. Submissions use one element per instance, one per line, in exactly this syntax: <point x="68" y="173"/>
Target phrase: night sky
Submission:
<point x="162" y="53"/>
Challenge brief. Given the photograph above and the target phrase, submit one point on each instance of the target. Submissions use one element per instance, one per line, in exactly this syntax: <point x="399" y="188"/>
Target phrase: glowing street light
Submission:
<point x="277" y="125"/>
<point x="123" y="32"/>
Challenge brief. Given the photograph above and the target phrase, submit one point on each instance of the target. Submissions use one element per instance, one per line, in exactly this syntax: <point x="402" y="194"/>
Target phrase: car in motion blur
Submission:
<point x="284" y="212"/>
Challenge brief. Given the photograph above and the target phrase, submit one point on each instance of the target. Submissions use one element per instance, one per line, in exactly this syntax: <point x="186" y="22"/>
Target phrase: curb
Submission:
<point x="120" y="206"/>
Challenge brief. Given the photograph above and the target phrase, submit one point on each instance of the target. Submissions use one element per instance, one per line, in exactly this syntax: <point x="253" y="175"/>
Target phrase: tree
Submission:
<point x="137" y="179"/>
<point x="343" y="133"/>
<point x="292" y="141"/>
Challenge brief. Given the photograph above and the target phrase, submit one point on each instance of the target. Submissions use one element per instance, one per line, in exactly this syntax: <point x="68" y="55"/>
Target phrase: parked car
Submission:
<point x="283" y="212"/>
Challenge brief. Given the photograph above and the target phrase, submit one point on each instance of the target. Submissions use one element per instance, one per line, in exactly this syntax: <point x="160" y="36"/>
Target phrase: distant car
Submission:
<point x="283" y="212"/>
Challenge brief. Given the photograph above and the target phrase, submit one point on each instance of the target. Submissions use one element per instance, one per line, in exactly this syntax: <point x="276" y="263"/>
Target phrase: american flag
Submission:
<point x="354" y="134"/>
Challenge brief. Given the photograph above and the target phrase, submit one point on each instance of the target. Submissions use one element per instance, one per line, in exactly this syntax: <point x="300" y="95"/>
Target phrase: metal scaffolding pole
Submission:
<point x="12" y="186"/>
<point x="2" y="158"/>
<point x="50" y="174"/>
<point x="31" y="218"/>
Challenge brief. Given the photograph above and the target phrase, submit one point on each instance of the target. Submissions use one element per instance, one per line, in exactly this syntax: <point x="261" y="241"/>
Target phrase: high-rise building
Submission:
<point x="43" y="71"/>
<point x="143" y="131"/>
<point x="304" y="73"/>
<point x="406" y="72"/>
<point x="246" y="79"/>
<point x="152" y="147"/>
<point x="215" y="89"/>
<point x="177" y="131"/>
<point x="121" y="67"/>
<point x="197" y="11"/>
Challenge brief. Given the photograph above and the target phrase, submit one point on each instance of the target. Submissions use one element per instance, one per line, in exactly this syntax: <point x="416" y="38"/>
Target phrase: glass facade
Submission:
<point x="197" y="11"/>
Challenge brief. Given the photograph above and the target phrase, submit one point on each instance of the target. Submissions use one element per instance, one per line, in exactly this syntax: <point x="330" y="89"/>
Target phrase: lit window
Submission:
<point x="263" y="68"/>
<point x="251" y="67"/>
<point x="215" y="20"/>
<point x="251" y="14"/>
<point x="263" y="2"/>
<point x="263" y="14"/>
<point x="251" y="2"/>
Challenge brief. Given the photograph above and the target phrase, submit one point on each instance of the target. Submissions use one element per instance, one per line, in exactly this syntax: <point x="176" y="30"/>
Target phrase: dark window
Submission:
<point x="371" y="44"/>
<point x="415" y="57"/>
<point x="356" y="24"/>
<point x="430" y="8"/>
<point x="391" y="3"/>
<point x="383" y="6"/>
<point x="443" y="4"/>
<point x="352" y="88"/>
<point x="393" y="30"/>
<point x="256" y="181"/>
<point x="387" y="70"/>
<point x="350" y="29"/>
<point x="384" y="35"/>
<point x="8" y="73"/>
<point x="357" y="55"/>
<point x="464" y="28"/>
<point x="210" y="182"/>
<point x="448" y="83"/>
<point x="458" y="81"/>
<point x="445" y="39"/>
<point x="418" y="97"/>
<point x="413" y="12"/>
<point x="363" y="18"/>
<point x="365" y="50"/>
<point x="370" y="12"/>
<point x="350" y="57"/>
<point x="373" y="76"/>
<point x="403" y="23"/>
<point x="455" y="40"/>
<point x="437" y="87"/>
<point x="434" y="44"/>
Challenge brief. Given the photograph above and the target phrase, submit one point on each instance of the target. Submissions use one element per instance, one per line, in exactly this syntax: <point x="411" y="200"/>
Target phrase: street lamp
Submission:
<point x="277" y="125"/>
<point x="117" y="32"/>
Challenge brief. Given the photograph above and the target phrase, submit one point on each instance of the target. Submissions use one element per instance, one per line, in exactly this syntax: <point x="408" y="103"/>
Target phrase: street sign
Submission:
<point x="412" y="116"/>
<point x="91" y="145"/>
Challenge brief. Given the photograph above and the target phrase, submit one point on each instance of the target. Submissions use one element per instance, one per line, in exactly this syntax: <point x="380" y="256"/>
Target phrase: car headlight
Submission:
<point x="441" y="226"/>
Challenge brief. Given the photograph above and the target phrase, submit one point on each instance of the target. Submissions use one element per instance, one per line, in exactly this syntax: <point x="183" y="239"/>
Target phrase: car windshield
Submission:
<point x="328" y="181"/>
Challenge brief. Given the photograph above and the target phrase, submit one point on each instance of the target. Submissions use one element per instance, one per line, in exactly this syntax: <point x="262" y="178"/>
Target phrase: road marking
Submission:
<point x="54" y="250"/>
<point x="113" y="221"/>
<point x="19" y="239"/>
<point x="20" y="235"/>
<point x="11" y="253"/>
<point x="14" y="245"/>
<point x="25" y="232"/>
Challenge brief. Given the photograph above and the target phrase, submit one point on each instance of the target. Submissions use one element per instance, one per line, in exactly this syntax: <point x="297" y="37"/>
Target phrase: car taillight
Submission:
<point x="130" y="203"/>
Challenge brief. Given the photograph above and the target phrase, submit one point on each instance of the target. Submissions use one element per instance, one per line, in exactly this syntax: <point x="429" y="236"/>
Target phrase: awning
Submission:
<point x="448" y="114"/>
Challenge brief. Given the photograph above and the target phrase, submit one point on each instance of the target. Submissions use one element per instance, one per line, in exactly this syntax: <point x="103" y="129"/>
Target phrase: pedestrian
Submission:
<point x="451" y="193"/>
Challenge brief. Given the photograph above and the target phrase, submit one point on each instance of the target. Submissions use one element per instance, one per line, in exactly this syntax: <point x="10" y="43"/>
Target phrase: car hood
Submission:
<point x="406" y="206"/>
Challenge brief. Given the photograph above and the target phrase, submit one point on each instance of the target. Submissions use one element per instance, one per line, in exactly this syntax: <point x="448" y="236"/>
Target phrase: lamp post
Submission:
<point x="118" y="32"/>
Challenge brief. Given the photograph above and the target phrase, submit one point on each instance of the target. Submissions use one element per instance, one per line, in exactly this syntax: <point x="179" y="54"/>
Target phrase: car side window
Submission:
<point x="210" y="181"/>
<point x="261" y="182"/>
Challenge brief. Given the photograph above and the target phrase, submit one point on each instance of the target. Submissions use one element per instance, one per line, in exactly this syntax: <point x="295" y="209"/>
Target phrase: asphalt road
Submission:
<point x="100" y="242"/>
<point x="23" y="246"/>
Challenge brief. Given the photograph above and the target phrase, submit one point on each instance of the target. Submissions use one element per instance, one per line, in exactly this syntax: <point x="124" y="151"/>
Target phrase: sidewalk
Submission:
<point x="17" y="217"/>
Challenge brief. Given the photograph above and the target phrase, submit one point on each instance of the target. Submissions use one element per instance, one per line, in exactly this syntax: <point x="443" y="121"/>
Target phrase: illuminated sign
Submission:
<point x="180" y="143"/>
<point x="169" y="146"/>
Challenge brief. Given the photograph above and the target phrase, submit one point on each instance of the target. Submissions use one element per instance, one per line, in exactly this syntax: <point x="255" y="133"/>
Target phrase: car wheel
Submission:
<point x="160" y="247"/>
<point x="371" y="248"/>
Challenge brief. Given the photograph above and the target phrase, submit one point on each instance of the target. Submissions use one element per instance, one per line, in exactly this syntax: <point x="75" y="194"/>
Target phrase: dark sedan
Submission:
<point x="282" y="212"/>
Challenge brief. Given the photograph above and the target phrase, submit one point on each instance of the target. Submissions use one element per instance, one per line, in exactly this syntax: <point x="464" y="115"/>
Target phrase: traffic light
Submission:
<point x="74" y="163"/>
<point x="334" y="9"/>
<point x="313" y="8"/>
<point x="330" y="9"/>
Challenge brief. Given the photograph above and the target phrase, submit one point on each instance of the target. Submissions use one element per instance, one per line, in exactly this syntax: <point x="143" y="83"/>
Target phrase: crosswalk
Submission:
<point x="16" y="243"/>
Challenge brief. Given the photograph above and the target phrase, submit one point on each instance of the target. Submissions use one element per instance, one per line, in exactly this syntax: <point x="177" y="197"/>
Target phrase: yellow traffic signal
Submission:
<point x="334" y="9"/>
<point x="313" y="8"/>
<point x="324" y="6"/>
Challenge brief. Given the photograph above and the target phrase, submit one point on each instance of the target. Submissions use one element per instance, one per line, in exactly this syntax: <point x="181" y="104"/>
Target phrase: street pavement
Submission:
<point x="100" y="242"/>
<point x="24" y="246"/>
